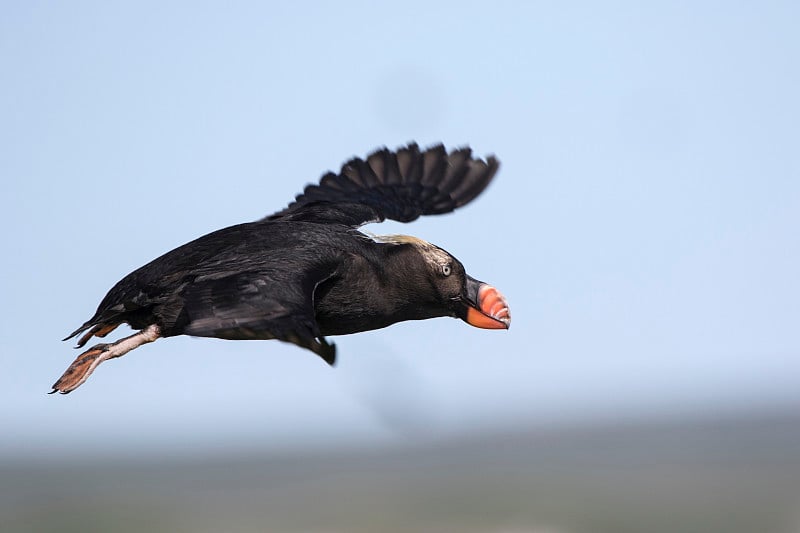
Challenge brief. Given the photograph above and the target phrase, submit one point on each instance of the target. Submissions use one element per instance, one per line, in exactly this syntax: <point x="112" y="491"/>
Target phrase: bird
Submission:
<point x="307" y="272"/>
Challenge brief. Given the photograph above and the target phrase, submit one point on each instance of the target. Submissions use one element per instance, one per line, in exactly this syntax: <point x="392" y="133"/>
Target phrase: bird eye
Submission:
<point x="446" y="270"/>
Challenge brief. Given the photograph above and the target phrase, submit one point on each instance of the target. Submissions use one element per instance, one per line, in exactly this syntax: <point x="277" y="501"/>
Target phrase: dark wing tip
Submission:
<point x="326" y="350"/>
<point x="400" y="185"/>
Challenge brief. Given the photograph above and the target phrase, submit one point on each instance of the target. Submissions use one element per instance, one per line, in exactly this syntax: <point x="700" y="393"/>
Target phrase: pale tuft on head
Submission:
<point x="432" y="253"/>
<point x="402" y="239"/>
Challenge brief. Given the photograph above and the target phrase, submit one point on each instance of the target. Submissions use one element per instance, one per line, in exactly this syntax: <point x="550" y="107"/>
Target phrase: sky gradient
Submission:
<point x="644" y="223"/>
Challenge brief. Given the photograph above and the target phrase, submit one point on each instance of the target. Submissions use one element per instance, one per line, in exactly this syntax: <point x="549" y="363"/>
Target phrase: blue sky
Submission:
<point x="643" y="226"/>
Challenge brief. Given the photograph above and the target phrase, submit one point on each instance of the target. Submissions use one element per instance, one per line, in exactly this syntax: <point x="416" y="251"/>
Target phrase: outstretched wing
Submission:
<point x="250" y="305"/>
<point x="401" y="185"/>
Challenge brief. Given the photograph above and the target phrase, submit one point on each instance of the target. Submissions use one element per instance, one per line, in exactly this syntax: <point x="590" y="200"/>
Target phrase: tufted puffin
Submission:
<point x="306" y="272"/>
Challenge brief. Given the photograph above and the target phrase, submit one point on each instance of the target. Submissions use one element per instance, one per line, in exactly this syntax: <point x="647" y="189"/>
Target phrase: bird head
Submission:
<point x="462" y="296"/>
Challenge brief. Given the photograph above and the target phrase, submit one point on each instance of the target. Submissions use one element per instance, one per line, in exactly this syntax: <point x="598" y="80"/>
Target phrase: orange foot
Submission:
<point x="80" y="369"/>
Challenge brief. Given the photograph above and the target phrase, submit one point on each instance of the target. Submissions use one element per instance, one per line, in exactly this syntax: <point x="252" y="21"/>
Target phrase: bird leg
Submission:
<point x="83" y="366"/>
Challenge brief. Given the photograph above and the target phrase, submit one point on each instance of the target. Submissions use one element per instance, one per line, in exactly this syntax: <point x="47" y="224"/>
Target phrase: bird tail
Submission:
<point x="98" y="330"/>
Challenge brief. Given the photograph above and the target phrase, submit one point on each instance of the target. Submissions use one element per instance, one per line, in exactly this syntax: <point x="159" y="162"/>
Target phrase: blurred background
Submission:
<point x="643" y="226"/>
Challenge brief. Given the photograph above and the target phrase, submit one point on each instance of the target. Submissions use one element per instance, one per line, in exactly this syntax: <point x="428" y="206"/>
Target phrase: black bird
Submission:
<point x="306" y="271"/>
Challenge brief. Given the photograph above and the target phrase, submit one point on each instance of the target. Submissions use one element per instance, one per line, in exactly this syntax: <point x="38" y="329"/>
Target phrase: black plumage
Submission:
<point x="306" y="272"/>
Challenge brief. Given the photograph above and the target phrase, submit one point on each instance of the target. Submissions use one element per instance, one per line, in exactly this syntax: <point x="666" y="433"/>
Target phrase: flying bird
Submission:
<point x="306" y="272"/>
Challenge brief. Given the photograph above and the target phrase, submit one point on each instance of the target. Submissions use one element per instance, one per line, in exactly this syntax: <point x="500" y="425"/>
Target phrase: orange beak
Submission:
<point x="486" y="307"/>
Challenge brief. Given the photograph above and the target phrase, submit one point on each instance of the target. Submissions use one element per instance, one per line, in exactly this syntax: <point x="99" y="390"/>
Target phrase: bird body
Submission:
<point x="306" y="272"/>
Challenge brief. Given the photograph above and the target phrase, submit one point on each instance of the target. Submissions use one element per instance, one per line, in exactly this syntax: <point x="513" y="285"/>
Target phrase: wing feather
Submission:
<point x="250" y="305"/>
<point x="401" y="185"/>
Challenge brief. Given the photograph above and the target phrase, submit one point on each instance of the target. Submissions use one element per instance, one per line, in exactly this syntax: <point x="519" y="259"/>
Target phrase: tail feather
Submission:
<point x="86" y="325"/>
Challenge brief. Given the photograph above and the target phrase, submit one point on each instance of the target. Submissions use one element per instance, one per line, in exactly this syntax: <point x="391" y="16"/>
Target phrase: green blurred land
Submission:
<point x="713" y="475"/>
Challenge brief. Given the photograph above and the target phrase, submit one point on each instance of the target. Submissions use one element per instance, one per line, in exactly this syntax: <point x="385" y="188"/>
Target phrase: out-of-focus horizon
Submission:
<point x="712" y="475"/>
<point x="643" y="225"/>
